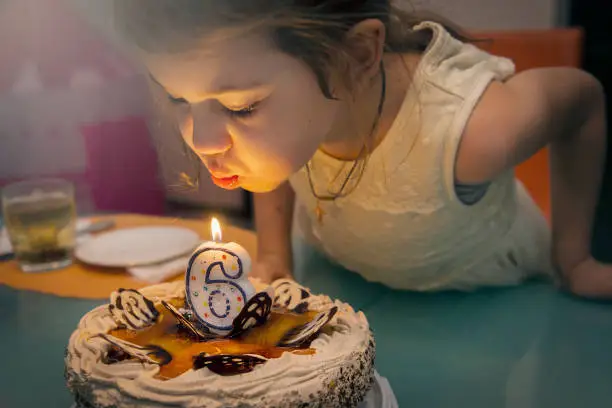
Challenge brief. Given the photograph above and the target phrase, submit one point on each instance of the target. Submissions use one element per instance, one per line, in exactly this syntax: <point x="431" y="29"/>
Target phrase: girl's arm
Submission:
<point x="563" y="108"/>
<point x="273" y="220"/>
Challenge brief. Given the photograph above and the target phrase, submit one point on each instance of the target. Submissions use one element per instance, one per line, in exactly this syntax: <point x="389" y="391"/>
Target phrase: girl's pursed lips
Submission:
<point x="228" y="183"/>
<point x="222" y="175"/>
<point x="219" y="171"/>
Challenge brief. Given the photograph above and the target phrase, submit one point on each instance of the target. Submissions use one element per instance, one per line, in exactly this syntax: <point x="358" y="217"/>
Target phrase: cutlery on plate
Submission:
<point x="97" y="226"/>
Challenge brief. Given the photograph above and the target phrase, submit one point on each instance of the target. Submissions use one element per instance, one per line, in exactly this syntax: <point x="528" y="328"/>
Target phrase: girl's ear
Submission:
<point x="365" y="44"/>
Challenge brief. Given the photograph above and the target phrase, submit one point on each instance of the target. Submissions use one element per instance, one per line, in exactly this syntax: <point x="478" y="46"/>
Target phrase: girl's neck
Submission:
<point x="352" y="129"/>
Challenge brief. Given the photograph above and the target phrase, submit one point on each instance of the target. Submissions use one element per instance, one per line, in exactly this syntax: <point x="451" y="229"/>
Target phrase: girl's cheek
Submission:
<point x="184" y="121"/>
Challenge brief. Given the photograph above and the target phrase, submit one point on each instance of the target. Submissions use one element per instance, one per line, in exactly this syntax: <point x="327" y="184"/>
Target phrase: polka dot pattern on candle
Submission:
<point x="218" y="273"/>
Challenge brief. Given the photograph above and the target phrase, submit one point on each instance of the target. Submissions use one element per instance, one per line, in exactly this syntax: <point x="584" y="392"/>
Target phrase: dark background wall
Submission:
<point x="595" y="17"/>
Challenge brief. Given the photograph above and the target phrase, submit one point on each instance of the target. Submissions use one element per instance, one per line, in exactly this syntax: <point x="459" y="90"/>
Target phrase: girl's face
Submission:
<point x="253" y="115"/>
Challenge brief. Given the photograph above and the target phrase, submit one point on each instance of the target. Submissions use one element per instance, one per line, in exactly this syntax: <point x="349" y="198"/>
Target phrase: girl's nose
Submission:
<point x="210" y="142"/>
<point x="207" y="132"/>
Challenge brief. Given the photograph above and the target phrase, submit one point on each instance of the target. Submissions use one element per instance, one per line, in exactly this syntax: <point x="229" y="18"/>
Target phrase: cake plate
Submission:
<point x="381" y="395"/>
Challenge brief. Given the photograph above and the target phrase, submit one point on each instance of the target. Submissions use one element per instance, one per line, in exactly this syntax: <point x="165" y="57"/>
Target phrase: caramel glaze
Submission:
<point x="184" y="347"/>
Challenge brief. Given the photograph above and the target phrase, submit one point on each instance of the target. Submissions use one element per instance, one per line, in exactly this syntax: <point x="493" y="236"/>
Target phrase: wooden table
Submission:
<point x="85" y="281"/>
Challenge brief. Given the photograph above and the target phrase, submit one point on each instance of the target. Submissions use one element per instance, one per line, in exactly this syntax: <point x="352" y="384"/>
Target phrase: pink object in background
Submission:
<point x="122" y="167"/>
<point x="52" y="35"/>
<point x="71" y="106"/>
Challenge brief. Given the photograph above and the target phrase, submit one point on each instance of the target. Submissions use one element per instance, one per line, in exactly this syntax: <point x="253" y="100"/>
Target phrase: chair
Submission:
<point x="536" y="49"/>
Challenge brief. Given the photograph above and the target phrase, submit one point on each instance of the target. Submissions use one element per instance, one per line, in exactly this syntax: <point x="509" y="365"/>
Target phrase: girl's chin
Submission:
<point x="258" y="186"/>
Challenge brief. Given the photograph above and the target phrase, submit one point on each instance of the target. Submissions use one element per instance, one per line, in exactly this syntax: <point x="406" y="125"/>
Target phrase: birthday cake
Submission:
<point x="157" y="347"/>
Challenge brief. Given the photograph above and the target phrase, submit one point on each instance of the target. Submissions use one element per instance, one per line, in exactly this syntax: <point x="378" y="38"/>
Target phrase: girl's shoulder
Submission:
<point x="454" y="65"/>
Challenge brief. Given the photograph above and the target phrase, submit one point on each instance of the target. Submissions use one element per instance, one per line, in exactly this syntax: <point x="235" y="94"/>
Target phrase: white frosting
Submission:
<point x="128" y="383"/>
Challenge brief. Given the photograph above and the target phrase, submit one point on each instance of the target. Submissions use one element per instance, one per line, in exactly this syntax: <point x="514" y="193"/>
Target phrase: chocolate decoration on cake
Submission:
<point x="291" y="295"/>
<point x="114" y="355"/>
<point x="150" y="354"/>
<point x="254" y="314"/>
<point x="226" y="365"/>
<point x="200" y="332"/>
<point x="301" y="308"/>
<point x="131" y="309"/>
<point x="303" y="334"/>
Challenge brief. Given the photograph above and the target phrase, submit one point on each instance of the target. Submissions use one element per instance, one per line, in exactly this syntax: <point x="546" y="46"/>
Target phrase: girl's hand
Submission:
<point x="591" y="279"/>
<point x="270" y="268"/>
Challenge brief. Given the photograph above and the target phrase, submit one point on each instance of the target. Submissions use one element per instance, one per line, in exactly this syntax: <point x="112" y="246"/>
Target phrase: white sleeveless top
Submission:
<point x="403" y="225"/>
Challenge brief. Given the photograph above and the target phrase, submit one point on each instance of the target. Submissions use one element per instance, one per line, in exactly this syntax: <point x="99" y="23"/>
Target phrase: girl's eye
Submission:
<point x="243" y="112"/>
<point x="177" y="101"/>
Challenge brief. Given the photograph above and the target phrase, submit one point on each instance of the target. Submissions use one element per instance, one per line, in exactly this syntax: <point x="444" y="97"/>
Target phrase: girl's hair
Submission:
<point x="310" y="30"/>
<point x="313" y="31"/>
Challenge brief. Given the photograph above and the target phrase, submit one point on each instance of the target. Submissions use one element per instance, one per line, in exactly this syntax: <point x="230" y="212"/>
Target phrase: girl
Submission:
<point x="394" y="137"/>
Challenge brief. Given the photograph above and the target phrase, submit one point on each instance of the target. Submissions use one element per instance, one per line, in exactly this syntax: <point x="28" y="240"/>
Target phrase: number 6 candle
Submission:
<point x="217" y="285"/>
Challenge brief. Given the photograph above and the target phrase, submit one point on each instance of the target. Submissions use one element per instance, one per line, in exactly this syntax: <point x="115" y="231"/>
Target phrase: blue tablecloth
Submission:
<point x="522" y="347"/>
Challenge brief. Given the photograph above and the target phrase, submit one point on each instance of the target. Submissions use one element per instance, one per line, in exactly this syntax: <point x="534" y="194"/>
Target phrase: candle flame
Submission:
<point x="215" y="229"/>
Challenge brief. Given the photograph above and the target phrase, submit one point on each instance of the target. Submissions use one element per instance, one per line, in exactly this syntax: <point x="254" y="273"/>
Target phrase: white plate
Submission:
<point x="128" y="247"/>
<point x="381" y="395"/>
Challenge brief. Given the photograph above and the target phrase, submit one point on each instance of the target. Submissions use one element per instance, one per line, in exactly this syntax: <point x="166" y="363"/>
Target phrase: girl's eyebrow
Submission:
<point x="223" y="91"/>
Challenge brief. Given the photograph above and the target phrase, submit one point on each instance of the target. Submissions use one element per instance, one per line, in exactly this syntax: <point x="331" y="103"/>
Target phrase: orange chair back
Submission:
<point x="536" y="49"/>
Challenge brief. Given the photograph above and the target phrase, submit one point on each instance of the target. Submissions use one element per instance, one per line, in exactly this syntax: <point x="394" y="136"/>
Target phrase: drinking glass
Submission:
<point x="40" y="218"/>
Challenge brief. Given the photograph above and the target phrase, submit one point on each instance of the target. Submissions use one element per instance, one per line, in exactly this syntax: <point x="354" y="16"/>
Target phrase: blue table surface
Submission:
<point x="526" y="346"/>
